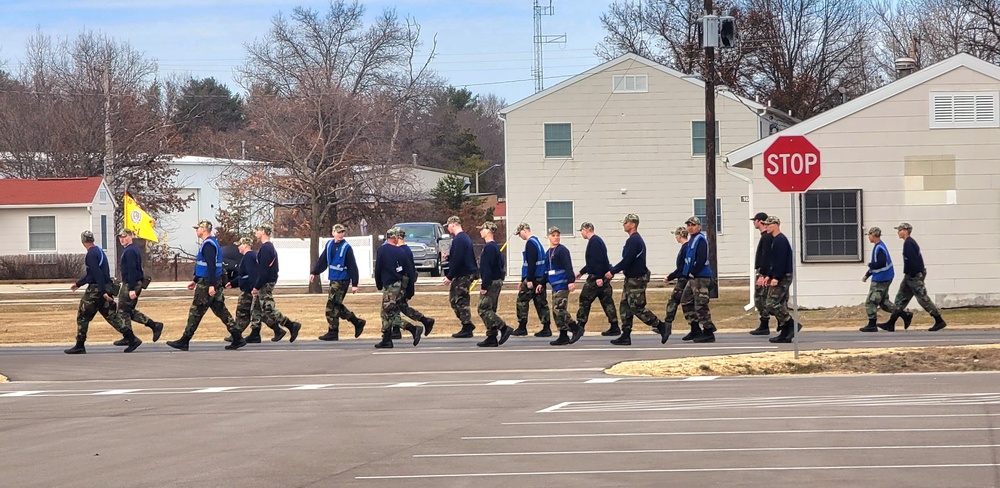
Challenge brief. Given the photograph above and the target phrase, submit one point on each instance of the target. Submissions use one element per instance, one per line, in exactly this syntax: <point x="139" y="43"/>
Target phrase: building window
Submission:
<point x="104" y="232"/>
<point x="102" y="196"/>
<point x="698" y="137"/>
<point x="559" y="214"/>
<point x="702" y="213"/>
<point x="629" y="84"/>
<point x="957" y="110"/>
<point x="831" y="221"/>
<point x="42" y="233"/>
<point x="558" y="140"/>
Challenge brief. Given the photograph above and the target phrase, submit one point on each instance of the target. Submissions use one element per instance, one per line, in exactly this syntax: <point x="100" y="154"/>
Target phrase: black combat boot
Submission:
<point x="784" y="333"/>
<point x="707" y="334"/>
<point x="545" y="332"/>
<point x="181" y="343"/>
<point x="157" y="329"/>
<point x="133" y="341"/>
<point x="331" y="335"/>
<point x="278" y="333"/>
<point x="386" y="341"/>
<point x="397" y="333"/>
<point x="871" y="327"/>
<point x="491" y="339"/>
<point x="428" y="325"/>
<point x="764" y="328"/>
<point x="254" y="337"/>
<point x="505" y="333"/>
<point x="562" y="340"/>
<point x="416" y="331"/>
<point x="238" y="340"/>
<point x="577" y="330"/>
<point x="938" y="324"/>
<point x="121" y="342"/>
<point x="889" y="325"/>
<point x="465" y="333"/>
<point x="77" y="349"/>
<point x="695" y="332"/>
<point x="625" y="339"/>
<point x="522" y="329"/>
<point x="293" y="329"/>
<point x="359" y="326"/>
<point x="665" y="329"/>
<point x="613" y="330"/>
<point x="228" y="338"/>
<point x="907" y="318"/>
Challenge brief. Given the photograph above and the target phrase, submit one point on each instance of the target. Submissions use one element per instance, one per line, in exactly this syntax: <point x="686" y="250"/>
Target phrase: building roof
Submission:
<point x="636" y="60"/>
<point x="805" y="127"/>
<point x="49" y="191"/>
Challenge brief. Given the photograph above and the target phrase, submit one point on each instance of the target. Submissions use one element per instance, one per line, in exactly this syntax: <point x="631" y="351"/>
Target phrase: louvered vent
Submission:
<point x="965" y="109"/>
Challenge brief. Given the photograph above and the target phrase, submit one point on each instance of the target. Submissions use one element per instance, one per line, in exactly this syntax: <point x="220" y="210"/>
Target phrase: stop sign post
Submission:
<point x="791" y="163"/>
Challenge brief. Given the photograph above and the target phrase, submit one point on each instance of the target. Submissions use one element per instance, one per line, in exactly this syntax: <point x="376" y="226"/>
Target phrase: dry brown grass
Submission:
<point x="56" y="322"/>
<point x="827" y="361"/>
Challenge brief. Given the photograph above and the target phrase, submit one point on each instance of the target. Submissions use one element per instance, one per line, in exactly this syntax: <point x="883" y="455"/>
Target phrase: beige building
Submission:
<point x="628" y="136"/>
<point x="924" y="149"/>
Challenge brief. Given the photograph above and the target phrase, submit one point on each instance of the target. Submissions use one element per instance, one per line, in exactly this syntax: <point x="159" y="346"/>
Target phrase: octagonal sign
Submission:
<point x="791" y="163"/>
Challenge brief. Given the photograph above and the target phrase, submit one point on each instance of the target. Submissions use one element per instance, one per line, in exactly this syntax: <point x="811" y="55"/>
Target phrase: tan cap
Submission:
<point x="266" y="228"/>
<point x="772" y="220"/>
<point x="204" y="224"/>
<point x="693" y="220"/>
<point x="681" y="232"/>
<point x="875" y="231"/>
<point x="489" y="225"/>
<point x="905" y="226"/>
<point x="454" y="220"/>
<point x="246" y="241"/>
<point x="522" y="226"/>
<point x="553" y="230"/>
<point x="587" y="226"/>
<point x="634" y="218"/>
<point x="339" y="228"/>
<point x="126" y="233"/>
<point x="87" y="236"/>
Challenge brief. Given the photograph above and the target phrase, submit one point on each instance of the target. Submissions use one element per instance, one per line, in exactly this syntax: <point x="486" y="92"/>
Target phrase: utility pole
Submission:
<point x="710" y="208"/>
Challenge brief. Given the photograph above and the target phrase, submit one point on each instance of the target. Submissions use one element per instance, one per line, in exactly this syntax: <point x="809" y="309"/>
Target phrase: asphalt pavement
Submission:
<point x="446" y="413"/>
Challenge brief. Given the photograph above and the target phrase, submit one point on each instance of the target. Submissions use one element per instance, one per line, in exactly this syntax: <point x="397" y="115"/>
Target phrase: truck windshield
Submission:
<point x="418" y="231"/>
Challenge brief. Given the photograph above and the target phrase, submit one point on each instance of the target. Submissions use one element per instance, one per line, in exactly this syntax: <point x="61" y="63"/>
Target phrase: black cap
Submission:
<point x="760" y="216"/>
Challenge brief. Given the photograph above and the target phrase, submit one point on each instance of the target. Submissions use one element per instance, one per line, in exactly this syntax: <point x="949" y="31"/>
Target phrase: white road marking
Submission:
<point x="726" y="432"/>
<point x="115" y="392"/>
<point x="407" y="384"/>
<point x="602" y="380"/>
<point x="553" y="407"/>
<point x="724" y="419"/>
<point x="19" y="393"/>
<point x="667" y="451"/>
<point x="505" y="382"/>
<point x="701" y="378"/>
<point x="310" y="387"/>
<point x="216" y="389"/>
<point x="680" y="470"/>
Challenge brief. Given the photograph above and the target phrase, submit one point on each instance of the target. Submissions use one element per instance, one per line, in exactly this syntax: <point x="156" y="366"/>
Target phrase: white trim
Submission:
<point x="982" y="111"/>
<point x="545" y="141"/>
<point x="46" y="206"/>
<point x="619" y="83"/>
<point x="960" y="60"/>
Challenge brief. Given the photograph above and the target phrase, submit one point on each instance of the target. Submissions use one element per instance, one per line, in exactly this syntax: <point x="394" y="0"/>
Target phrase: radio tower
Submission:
<point x="541" y="40"/>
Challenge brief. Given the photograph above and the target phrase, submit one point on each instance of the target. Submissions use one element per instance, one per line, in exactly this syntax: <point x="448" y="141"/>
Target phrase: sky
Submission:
<point x="483" y="45"/>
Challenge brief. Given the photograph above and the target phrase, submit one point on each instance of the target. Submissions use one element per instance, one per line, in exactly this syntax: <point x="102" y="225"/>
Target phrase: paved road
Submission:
<point x="447" y="414"/>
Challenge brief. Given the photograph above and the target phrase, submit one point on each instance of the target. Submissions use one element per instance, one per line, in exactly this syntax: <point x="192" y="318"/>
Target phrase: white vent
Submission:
<point x="955" y="110"/>
<point x="629" y="84"/>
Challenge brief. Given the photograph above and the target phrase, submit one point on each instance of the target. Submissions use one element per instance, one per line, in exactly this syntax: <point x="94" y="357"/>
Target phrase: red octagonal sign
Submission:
<point x="791" y="163"/>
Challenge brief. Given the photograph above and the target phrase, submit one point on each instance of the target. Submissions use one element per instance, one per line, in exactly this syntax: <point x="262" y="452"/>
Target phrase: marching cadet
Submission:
<point x="681" y="235"/>
<point x="247" y="306"/>
<point x="761" y="267"/>
<point x="491" y="270"/>
<point x="267" y="276"/>
<point x="596" y="286"/>
<point x="208" y="286"/>
<point x="461" y="271"/>
<point x="342" y="271"/>
<point x="778" y="279"/>
<point x="390" y="266"/>
<point x="881" y="272"/>
<point x="912" y="286"/>
<point x="404" y="306"/>
<point x="633" y="266"/>
<point x="699" y="273"/>
<point x="133" y="282"/>
<point x="561" y="278"/>
<point x="532" y="284"/>
<point x="97" y="298"/>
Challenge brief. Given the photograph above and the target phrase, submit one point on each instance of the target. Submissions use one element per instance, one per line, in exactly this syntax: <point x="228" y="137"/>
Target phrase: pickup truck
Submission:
<point x="428" y="241"/>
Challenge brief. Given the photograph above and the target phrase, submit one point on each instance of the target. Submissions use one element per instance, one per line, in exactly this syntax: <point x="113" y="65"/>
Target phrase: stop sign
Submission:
<point x="791" y="163"/>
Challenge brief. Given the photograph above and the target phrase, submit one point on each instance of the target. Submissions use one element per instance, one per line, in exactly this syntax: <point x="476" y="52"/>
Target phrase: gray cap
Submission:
<point x="246" y="241"/>
<point x="339" y="228"/>
<point x="204" y="224"/>
<point x="693" y="220"/>
<point x="681" y="232"/>
<point x="87" y="236"/>
<point x="126" y="233"/>
<point x="454" y="219"/>
<point x="396" y="232"/>
<point x="489" y="225"/>
<point x="267" y="228"/>
<point x="553" y="230"/>
<point x="875" y="231"/>
<point x="587" y="226"/>
<point x="634" y="218"/>
<point x="522" y="226"/>
<point x="905" y="226"/>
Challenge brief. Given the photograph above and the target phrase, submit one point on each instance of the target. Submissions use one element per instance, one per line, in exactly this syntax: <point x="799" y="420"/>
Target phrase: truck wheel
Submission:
<point x="437" y="270"/>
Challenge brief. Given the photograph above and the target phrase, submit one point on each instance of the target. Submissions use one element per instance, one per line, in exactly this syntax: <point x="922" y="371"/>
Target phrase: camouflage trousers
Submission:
<point x="560" y="309"/>
<point x="878" y="297"/>
<point x="527" y="295"/>
<point x="694" y="302"/>
<point x="488" y="306"/>
<point x="335" y="309"/>
<point x="203" y="302"/>
<point x="633" y="302"/>
<point x="675" y="300"/>
<point x="459" y="298"/>
<point x="404" y="306"/>
<point x="268" y="310"/>
<point x="760" y="294"/>
<point x="777" y="300"/>
<point x="247" y="312"/>
<point x="913" y="287"/>
<point x="92" y="303"/>
<point x="392" y="296"/>
<point x="592" y="292"/>
<point x="126" y="308"/>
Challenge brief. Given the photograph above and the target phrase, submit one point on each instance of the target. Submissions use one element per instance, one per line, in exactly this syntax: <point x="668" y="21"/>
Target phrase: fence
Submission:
<point x="295" y="265"/>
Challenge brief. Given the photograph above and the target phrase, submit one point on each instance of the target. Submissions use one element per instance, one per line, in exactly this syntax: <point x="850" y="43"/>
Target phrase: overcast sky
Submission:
<point x="485" y="45"/>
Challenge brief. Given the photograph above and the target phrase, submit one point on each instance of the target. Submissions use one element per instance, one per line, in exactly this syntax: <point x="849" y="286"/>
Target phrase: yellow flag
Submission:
<point x="138" y="221"/>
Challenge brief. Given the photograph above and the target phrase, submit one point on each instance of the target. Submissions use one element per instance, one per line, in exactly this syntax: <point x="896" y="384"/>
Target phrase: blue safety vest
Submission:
<point x="886" y="273"/>
<point x="692" y="252"/>
<point x="557" y="277"/>
<point x="201" y="266"/>
<point x="337" y="260"/>
<point x="539" y="265"/>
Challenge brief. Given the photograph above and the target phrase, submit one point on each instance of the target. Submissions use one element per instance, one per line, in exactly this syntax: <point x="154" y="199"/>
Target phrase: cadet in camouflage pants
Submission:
<point x="913" y="287"/>
<point x="407" y="310"/>
<point x="694" y="302"/>
<point x="878" y="297"/>
<point x="247" y="312"/>
<point x="335" y="309"/>
<point x="203" y="302"/>
<point x="633" y="303"/>
<point x="604" y="293"/>
<point x="760" y="296"/>
<point x="459" y="298"/>
<point x="392" y="296"/>
<point x="92" y="303"/>
<point x="488" y="306"/>
<point x="676" y="297"/>
<point x="560" y="302"/>
<point x="777" y="300"/>
<point x="525" y="296"/>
